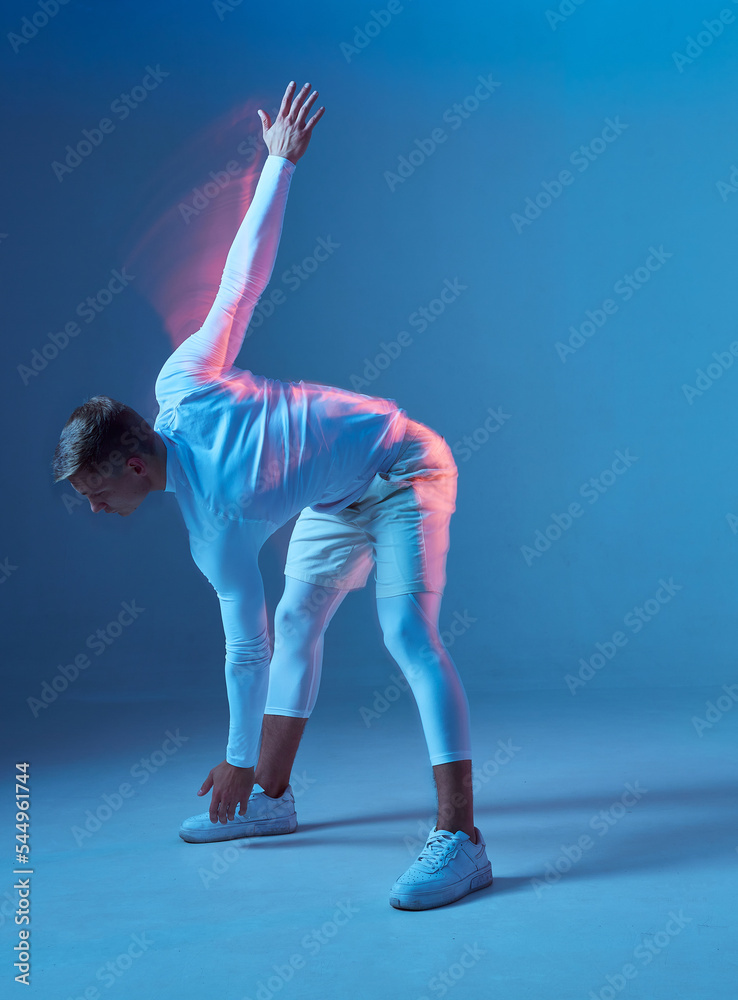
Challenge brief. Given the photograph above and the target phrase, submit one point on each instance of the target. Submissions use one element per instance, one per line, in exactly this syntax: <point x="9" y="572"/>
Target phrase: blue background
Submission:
<point x="655" y="185"/>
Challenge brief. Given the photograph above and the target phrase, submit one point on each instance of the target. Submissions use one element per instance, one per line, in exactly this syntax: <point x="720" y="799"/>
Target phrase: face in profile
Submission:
<point x="115" y="494"/>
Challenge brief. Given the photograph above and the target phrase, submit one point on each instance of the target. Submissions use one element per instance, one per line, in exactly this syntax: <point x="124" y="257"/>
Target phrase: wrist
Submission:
<point x="281" y="156"/>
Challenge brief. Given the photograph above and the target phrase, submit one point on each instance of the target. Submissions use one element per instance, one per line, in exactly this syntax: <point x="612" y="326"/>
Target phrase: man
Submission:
<point x="243" y="454"/>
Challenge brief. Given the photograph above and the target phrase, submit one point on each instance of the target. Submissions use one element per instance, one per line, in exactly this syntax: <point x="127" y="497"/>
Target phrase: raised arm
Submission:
<point x="250" y="262"/>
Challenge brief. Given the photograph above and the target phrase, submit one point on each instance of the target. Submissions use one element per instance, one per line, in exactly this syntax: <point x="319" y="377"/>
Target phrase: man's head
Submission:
<point x="111" y="455"/>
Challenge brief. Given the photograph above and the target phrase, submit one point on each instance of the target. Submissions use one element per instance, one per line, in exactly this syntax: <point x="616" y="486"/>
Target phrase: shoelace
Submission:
<point x="437" y="851"/>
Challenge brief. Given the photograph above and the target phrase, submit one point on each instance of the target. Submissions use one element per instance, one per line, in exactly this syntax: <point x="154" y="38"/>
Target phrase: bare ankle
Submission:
<point x="455" y="828"/>
<point x="273" y="789"/>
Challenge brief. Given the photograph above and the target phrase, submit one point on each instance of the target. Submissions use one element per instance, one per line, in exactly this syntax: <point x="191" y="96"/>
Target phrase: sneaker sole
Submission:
<point x="440" y="897"/>
<point x="259" y="828"/>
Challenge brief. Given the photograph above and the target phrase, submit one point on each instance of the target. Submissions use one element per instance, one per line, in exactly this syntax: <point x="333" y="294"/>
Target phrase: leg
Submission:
<point x="280" y="738"/>
<point x="300" y="620"/>
<point x="410" y="626"/>
<point x="455" y="805"/>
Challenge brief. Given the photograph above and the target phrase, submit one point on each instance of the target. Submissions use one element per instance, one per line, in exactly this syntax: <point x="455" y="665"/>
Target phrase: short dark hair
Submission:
<point x="99" y="437"/>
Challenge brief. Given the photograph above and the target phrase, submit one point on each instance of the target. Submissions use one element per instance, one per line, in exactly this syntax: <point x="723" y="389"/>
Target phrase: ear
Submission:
<point x="137" y="464"/>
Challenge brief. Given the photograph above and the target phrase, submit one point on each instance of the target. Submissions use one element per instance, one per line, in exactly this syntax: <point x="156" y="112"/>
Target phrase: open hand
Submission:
<point x="290" y="133"/>
<point x="231" y="785"/>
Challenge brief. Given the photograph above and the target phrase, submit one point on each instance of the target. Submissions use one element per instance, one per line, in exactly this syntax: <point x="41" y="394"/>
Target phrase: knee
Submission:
<point x="412" y="641"/>
<point x="296" y="622"/>
<point x="289" y="622"/>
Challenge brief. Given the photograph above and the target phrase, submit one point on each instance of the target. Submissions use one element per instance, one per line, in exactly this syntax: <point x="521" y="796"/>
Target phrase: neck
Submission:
<point x="159" y="472"/>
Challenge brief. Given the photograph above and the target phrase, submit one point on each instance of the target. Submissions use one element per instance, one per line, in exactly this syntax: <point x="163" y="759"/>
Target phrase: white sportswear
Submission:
<point x="246" y="453"/>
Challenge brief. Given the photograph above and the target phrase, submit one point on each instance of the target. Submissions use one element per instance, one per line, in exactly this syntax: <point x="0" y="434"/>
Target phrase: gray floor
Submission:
<point x="645" y="909"/>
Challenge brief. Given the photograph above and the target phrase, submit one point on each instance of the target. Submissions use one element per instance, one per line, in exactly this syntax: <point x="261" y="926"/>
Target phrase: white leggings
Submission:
<point x="409" y="624"/>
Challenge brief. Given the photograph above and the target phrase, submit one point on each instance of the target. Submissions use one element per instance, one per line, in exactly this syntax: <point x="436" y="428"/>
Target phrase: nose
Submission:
<point x="96" y="507"/>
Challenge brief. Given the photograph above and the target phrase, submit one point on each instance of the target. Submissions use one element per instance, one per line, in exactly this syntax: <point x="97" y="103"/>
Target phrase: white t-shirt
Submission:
<point x="246" y="453"/>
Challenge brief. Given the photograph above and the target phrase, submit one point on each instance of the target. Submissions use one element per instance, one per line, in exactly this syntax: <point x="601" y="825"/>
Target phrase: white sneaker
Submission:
<point x="264" y="816"/>
<point x="448" y="867"/>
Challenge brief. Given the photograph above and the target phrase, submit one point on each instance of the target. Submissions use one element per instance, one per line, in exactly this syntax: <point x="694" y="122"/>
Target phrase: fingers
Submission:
<point x="291" y="108"/>
<point x="287" y="99"/>
<point x="302" y="113"/>
<point x="316" y="118"/>
<point x="306" y="106"/>
<point x="220" y="811"/>
<point x="206" y="785"/>
<point x="295" y="109"/>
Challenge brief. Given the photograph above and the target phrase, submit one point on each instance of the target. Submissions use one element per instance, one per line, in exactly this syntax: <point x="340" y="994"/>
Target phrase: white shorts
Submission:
<point x="400" y="524"/>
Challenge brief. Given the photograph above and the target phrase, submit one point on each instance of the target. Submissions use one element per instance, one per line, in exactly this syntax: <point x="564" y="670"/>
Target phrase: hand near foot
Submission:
<point x="231" y="785"/>
<point x="290" y="133"/>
